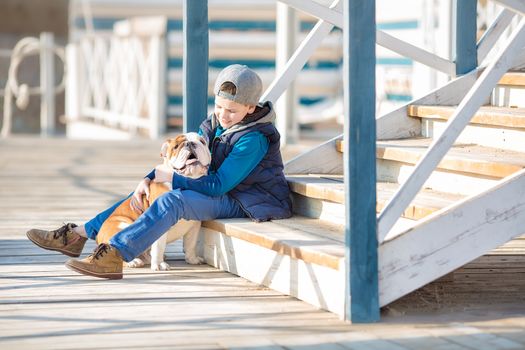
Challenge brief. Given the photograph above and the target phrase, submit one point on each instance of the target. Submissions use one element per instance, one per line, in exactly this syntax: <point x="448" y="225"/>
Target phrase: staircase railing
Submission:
<point x="362" y="275"/>
<point x="330" y="17"/>
<point x="476" y="96"/>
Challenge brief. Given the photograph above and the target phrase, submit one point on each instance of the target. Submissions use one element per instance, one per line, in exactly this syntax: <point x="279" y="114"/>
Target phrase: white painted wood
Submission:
<point x="508" y="96"/>
<point x="497" y="137"/>
<point x="287" y="28"/>
<point x="157" y="92"/>
<point x="73" y="83"/>
<point x="323" y="159"/>
<point x="126" y="78"/>
<point x="514" y="5"/>
<point x="320" y="286"/>
<point x="408" y="50"/>
<point x="444" y="181"/>
<point x="297" y="61"/>
<point x="470" y="104"/>
<point x="401" y="47"/>
<point x="397" y="125"/>
<point x="449" y="239"/>
<point x="493" y="33"/>
<point x="333" y="14"/>
<point x="47" y="84"/>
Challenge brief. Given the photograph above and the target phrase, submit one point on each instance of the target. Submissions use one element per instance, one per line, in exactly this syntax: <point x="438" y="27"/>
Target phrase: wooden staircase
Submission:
<point x="472" y="203"/>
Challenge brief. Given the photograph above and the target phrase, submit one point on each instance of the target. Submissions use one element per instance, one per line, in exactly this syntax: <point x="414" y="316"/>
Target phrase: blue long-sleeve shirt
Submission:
<point x="244" y="157"/>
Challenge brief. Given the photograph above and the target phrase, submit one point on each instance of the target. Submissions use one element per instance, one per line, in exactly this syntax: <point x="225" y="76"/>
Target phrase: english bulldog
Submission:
<point x="188" y="155"/>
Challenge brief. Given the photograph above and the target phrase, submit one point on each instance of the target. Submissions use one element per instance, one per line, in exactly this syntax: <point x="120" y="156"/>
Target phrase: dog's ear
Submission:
<point x="164" y="148"/>
<point x="203" y="141"/>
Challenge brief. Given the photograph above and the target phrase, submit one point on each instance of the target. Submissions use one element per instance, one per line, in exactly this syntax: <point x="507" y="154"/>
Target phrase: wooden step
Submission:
<point x="513" y="79"/>
<point x="299" y="237"/>
<point x="464" y="158"/>
<point x="314" y="189"/>
<point x="486" y="115"/>
<point x="300" y="256"/>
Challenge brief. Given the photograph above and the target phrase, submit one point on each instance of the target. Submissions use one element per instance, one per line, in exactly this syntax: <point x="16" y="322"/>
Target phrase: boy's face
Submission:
<point x="230" y="113"/>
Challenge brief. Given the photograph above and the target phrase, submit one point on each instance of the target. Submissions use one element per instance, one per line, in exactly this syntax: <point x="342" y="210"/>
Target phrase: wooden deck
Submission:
<point x="43" y="305"/>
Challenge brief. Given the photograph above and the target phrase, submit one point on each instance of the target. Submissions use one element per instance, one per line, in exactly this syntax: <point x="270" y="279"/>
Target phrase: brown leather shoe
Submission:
<point x="105" y="262"/>
<point x="62" y="240"/>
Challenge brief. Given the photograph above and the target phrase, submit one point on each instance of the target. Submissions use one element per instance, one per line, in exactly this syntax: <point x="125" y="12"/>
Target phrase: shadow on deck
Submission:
<point x="44" y="182"/>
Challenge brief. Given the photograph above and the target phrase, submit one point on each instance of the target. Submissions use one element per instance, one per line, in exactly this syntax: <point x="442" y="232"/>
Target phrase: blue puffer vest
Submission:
<point x="264" y="194"/>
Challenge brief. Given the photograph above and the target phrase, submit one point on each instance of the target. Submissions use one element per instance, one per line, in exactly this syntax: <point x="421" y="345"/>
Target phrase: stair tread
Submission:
<point x="495" y="162"/>
<point x="468" y="158"/>
<point x="331" y="188"/>
<point x="509" y="117"/>
<point x="513" y="78"/>
<point x="307" y="239"/>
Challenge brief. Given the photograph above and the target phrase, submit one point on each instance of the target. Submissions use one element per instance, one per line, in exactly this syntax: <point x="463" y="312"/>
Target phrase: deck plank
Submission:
<point x="46" y="306"/>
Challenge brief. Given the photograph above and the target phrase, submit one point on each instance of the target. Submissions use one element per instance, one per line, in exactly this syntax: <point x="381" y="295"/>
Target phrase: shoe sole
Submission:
<point x="65" y="252"/>
<point x="111" y="276"/>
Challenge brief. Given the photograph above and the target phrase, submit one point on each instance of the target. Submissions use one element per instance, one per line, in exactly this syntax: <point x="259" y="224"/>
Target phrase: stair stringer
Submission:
<point x="451" y="237"/>
<point x="322" y="159"/>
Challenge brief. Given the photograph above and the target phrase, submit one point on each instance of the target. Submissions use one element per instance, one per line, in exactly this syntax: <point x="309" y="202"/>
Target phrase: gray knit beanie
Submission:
<point x="247" y="82"/>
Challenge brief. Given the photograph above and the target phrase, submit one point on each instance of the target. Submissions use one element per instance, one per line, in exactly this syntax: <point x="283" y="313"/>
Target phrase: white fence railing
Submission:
<point x="120" y="81"/>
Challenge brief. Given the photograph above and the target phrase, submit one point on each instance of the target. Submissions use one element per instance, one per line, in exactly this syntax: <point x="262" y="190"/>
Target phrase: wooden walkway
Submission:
<point x="43" y="305"/>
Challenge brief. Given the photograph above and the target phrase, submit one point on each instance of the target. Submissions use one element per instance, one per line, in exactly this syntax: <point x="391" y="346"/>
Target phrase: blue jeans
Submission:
<point x="164" y="213"/>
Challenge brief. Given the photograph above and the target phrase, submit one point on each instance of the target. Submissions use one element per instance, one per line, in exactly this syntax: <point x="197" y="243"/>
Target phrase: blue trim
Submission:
<point x="195" y="64"/>
<point x="106" y="23"/>
<point x="175" y="62"/>
<point x="98" y="23"/>
<point x="265" y="26"/>
<point x="176" y="100"/>
<point x="360" y="161"/>
<point x="307" y="101"/>
<point x="466" y="48"/>
<point x="399" y="97"/>
<point x="401" y="25"/>
<point x="394" y="61"/>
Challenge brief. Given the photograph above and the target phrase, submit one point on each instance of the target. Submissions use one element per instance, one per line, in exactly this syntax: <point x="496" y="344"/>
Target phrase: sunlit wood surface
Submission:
<point x="43" y="305"/>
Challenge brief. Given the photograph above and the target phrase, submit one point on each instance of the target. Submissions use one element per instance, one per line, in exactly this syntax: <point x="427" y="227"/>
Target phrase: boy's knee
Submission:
<point x="170" y="199"/>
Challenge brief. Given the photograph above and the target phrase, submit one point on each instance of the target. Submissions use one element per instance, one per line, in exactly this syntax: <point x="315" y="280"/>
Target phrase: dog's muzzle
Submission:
<point x="192" y="160"/>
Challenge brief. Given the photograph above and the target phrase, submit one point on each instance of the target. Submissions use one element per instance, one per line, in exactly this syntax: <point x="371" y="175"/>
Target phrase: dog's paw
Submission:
<point x="194" y="260"/>
<point x="163" y="266"/>
<point x="136" y="263"/>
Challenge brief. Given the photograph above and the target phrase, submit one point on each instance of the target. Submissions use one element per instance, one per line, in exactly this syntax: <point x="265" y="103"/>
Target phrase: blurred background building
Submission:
<point x="240" y="32"/>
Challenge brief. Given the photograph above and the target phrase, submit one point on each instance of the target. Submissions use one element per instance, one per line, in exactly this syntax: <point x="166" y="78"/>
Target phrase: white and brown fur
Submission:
<point x="188" y="155"/>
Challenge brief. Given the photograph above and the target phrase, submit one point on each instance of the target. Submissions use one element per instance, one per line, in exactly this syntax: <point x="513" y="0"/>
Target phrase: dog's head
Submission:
<point x="187" y="154"/>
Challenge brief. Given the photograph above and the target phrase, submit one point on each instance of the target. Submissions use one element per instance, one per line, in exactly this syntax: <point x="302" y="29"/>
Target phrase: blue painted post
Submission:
<point x="195" y="64"/>
<point x="466" y="29"/>
<point x="360" y="161"/>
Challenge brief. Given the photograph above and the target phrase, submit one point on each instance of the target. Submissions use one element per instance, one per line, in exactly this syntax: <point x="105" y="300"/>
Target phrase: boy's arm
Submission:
<point x="244" y="157"/>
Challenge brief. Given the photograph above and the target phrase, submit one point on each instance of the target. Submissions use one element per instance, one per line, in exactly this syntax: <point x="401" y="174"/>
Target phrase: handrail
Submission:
<point x="301" y="55"/>
<point x="334" y="16"/>
<point x="476" y="96"/>
<point x="514" y="5"/>
<point x="493" y="33"/>
<point x="297" y="61"/>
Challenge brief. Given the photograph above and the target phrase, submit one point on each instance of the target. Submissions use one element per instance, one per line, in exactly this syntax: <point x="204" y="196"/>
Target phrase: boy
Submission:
<point x="246" y="179"/>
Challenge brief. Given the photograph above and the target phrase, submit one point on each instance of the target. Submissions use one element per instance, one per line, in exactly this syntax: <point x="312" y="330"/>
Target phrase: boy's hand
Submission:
<point x="136" y="198"/>
<point x="163" y="174"/>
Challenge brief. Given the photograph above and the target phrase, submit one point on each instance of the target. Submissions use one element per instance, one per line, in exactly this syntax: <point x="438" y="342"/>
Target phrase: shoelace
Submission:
<point x="62" y="233"/>
<point x="100" y="250"/>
